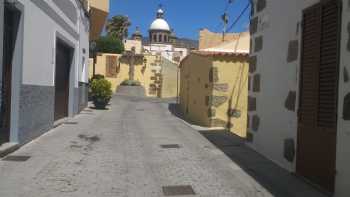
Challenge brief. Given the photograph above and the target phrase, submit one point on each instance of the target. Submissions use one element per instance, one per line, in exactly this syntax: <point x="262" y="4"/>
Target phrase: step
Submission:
<point x="8" y="148"/>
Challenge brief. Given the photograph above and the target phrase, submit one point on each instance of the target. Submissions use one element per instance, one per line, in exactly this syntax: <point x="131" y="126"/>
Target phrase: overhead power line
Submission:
<point x="238" y="18"/>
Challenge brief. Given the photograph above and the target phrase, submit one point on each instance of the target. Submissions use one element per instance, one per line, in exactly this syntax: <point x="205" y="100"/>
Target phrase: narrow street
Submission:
<point x="119" y="152"/>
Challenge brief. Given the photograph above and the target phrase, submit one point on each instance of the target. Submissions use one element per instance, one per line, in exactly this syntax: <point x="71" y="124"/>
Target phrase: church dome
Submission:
<point x="160" y="24"/>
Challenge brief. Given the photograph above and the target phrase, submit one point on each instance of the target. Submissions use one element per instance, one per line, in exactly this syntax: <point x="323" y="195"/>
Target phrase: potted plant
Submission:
<point x="101" y="91"/>
<point x="97" y="76"/>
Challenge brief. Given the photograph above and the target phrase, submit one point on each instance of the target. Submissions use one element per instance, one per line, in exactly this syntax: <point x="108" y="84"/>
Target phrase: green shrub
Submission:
<point x="101" y="92"/>
<point x="97" y="76"/>
<point x="130" y="83"/>
<point x="109" y="44"/>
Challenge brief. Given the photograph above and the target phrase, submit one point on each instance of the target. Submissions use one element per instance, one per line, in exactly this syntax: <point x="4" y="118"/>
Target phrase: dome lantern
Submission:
<point x="159" y="30"/>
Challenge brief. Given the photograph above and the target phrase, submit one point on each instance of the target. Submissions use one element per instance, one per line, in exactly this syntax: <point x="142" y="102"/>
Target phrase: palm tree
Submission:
<point x="118" y="26"/>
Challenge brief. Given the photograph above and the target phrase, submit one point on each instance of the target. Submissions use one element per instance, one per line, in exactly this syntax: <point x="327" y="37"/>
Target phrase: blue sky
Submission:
<point x="186" y="17"/>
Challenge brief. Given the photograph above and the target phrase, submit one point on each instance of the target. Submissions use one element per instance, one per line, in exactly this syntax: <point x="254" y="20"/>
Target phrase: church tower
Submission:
<point x="159" y="31"/>
<point x="137" y="35"/>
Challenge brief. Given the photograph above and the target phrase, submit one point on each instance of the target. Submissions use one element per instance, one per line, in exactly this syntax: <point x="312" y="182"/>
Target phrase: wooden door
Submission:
<point x="11" y="21"/>
<point x="317" y="115"/>
<point x="63" y="61"/>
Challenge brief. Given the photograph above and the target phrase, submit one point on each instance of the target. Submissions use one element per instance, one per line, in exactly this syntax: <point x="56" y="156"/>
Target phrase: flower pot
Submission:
<point x="100" y="103"/>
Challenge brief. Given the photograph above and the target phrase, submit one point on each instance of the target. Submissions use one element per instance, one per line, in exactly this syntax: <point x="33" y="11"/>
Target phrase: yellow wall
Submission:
<point x="137" y="44"/>
<point x="193" y="92"/>
<point x="142" y="74"/>
<point x="145" y="77"/>
<point x="99" y="10"/>
<point x="169" y="87"/>
<point x="208" y="39"/>
<point x="233" y="71"/>
<point x="100" y="4"/>
<point x="100" y="68"/>
<point x="197" y="101"/>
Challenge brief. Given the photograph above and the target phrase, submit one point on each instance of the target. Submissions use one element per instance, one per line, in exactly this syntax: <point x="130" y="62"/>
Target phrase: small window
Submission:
<point x="160" y="38"/>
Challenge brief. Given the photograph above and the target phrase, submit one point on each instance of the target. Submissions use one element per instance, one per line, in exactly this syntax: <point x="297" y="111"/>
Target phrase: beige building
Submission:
<point x="299" y="103"/>
<point x="208" y="39"/>
<point x="98" y="11"/>
<point x="155" y="63"/>
<point x="157" y="75"/>
<point x="116" y="69"/>
<point x="214" y="90"/>
<point x="136" y="45"/>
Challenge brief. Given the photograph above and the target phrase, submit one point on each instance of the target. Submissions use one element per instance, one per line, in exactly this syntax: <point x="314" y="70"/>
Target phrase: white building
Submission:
<point x="299" y="100"/>
<point x="162" y="40"/>
<point x="44" y="49"/>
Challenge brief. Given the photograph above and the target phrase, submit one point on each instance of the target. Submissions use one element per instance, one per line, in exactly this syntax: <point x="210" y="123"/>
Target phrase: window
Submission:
<point x="154" y="38"/>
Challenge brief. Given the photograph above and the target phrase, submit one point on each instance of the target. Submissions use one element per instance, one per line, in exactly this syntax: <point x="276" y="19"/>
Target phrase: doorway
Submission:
<point x="62" y="76"/>
<point x="317" y="115"/>
<point x="10" y="30"/>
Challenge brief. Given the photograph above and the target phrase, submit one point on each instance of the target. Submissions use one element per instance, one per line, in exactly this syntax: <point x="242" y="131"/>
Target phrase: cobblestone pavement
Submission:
<point x="118" y="152"/>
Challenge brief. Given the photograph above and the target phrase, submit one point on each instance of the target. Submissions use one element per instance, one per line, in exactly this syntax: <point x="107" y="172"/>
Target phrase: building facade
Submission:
<point x="299" y="89"/>
<point x="116" y="69"/>
<point x="98" y="11"/>
<point x="44" y="53"/>
<point x="214" y="90"/>
<point x="208" y="39"/>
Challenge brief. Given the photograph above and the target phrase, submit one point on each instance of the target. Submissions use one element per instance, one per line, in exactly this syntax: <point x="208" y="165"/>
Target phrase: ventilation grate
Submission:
<point x="170" y="146"/>
<point x="16" y="158"/>
<point x="178" y="190"/>
<point x="71" y="123"/>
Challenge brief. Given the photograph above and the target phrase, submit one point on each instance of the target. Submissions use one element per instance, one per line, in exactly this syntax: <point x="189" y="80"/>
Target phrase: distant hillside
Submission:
<point x="181" y="42"/>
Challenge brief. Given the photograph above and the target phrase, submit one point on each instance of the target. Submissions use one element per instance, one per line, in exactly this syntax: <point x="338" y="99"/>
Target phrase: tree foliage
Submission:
<point x="118" y="26"/>
<point x="109" y="44"/>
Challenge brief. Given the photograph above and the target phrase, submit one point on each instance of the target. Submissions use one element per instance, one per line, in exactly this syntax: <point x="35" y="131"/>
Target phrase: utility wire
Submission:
<point x="238" y="18"/>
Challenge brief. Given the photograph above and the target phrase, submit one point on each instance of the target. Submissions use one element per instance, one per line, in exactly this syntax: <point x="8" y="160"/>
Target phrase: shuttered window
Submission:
<point x="310" y="61"/>
<point x="328" y="71"/>
<point x="320" y="65"/>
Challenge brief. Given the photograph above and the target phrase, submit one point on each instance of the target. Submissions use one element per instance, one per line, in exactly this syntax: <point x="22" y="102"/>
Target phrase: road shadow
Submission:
<point x="174" y="109"/>
<point x="278" y="181"/>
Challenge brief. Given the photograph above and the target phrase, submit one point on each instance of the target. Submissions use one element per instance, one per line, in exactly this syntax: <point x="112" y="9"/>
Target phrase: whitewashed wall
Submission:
<point x="278" y="25"/>
<point x="343" y="139"/>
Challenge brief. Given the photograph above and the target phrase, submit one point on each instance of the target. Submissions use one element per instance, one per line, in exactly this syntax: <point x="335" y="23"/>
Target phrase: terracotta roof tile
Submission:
<point x="218" y="53"/>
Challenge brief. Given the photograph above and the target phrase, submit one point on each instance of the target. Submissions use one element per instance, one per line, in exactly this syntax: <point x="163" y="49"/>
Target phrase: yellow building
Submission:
<point x="208" y="39"/>
<point x="116" y="69"/>
<point x="214" y="89"/>
<point x="98" y="10"/>
<point x="170" y="81"/>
